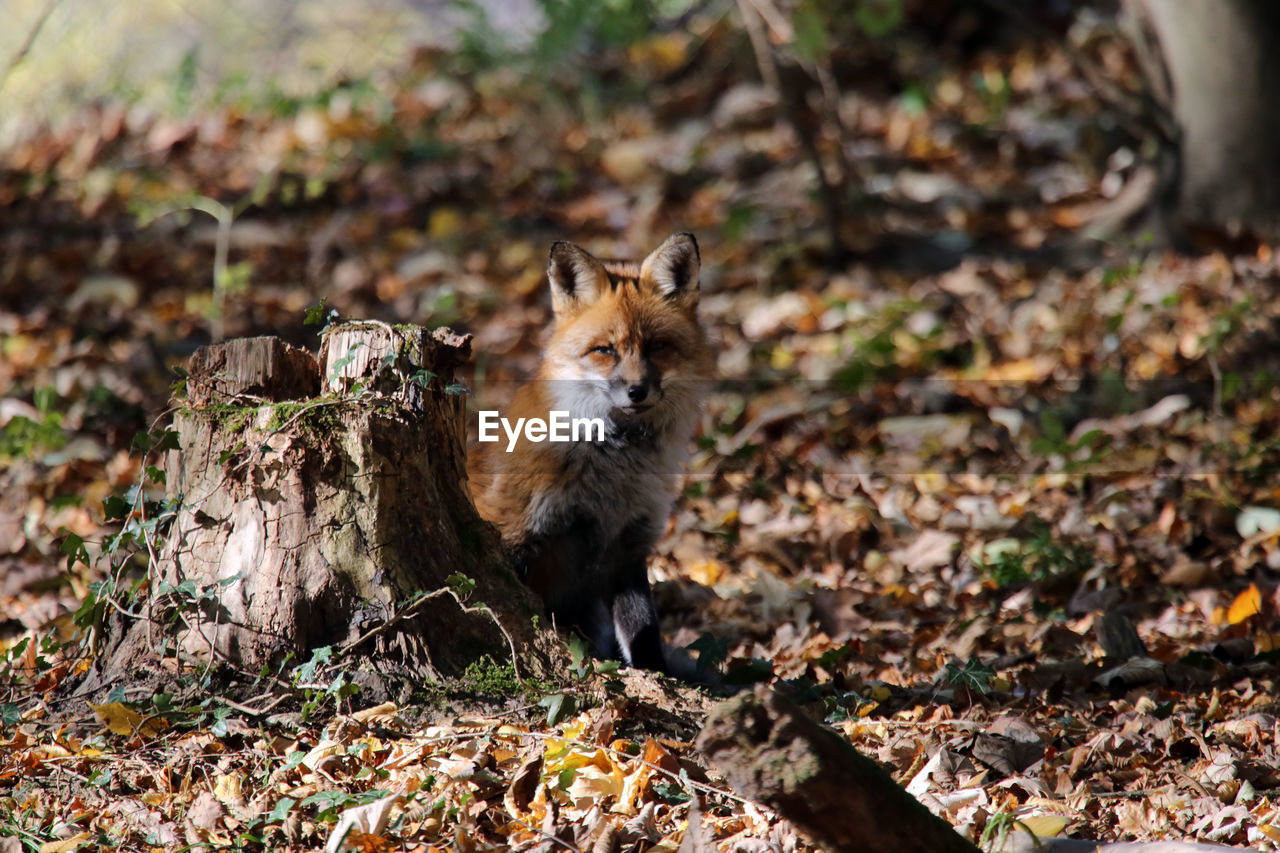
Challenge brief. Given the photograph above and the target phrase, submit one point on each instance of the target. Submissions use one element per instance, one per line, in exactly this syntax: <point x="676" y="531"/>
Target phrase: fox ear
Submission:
<point x="672" y="268"/>
<point x="576" y="277"/>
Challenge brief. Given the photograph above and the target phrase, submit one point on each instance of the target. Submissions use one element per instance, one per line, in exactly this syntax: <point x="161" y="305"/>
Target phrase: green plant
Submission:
<point x="750" y="671"/>
<point x="228" y="279"/>
<point x="973" y="675"/>
<point x="310" y="677"/>
<point x="23" y="437"/>
<point x="995" y="834"/>
<point x="1039" y="558"/>
<point x="1087" y="449"/>
<point x="712" y="652"/>
<point x="321" y="314"/>
<point x="486" y="676"/>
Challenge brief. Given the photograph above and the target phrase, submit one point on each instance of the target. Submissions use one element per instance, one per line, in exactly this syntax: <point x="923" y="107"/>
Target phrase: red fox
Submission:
<point x="579" y="518"/>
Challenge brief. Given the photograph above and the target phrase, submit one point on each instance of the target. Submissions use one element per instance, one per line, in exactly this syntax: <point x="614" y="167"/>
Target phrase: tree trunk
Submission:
<point x="1220" y="73"/>
<point x="774" y="754"/>
<point x="311" y="521"/>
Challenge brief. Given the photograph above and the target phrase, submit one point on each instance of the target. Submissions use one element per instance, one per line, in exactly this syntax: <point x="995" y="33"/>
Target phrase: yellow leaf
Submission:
<point x="321" y="753"/>
<point x="665" y="52"/>
<point x="706" y="572"/>
<point x="120" y="719"/>
<point x="632" y="787"/>
<point x="930" y="482"/>
<point x="444" y="222"/>
<point x="383" y="713"/>
<point x="50" y="750"/>
<point x="1045" y="825"/>
<point x="1022" y="370"/>
<point x="590" y="784"/>
<point x="227" y="789"/>
<point x="66" y="845"/>
<point x="563" y="754"/>
<point x="1247" y="603"/>
<point x="1270" y="831"/>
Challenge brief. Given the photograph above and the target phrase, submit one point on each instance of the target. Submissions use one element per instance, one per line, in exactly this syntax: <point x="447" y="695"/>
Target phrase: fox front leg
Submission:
<point x="635" y="621"/>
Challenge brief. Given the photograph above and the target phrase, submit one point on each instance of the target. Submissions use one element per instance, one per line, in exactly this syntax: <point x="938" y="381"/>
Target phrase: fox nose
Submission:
<point x="637" y="393"/>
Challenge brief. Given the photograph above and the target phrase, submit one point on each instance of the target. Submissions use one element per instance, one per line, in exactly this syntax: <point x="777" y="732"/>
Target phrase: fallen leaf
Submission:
<point x="66" y="845"/>
<point x="370" y="819"/>
<point x="1248" y="603"/>
<point x="122" y="720"/>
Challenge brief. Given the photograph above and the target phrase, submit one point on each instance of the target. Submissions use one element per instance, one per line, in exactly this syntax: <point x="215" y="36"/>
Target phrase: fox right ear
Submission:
<point x="576" y="277"/>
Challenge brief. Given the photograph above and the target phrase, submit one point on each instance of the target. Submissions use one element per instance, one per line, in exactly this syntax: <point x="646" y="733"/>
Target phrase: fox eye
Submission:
<point x="604" y="349"/>
<point x="658" y="346"/>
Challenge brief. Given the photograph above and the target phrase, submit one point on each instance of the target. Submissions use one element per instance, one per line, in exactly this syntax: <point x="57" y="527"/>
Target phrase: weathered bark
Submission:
<point x="1216" y="67"/>
<point x="773" y="753"/>
<point x="315" y="522"/>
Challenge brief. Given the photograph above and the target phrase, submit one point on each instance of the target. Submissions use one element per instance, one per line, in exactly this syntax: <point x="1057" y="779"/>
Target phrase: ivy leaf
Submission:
<point x="283" y="807"/>
<point x="460" y="584"/>
<point x="749" y="672"/>
<point x="73" y="546"/>
<point x="559" y="706"/>
<point x="711" y="652"/>
<point x="972" y="675"/>
<point x="115" y="508"/>
<point x="315" y="315"/>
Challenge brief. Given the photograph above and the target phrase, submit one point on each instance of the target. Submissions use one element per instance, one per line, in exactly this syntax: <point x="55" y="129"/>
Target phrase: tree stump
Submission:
<point x="340" y="520"/>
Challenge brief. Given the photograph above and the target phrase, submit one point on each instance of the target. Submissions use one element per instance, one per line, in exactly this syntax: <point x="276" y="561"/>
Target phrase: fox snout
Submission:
<point x="642" y="393"/>
<point x="640" y="385"/>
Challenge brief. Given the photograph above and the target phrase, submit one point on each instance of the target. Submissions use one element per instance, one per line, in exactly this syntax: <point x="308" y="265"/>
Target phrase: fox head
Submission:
<point x="627" y="340"/>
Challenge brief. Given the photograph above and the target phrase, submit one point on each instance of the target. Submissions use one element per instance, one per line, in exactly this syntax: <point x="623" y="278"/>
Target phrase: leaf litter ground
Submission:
<point x="994" y="499"/>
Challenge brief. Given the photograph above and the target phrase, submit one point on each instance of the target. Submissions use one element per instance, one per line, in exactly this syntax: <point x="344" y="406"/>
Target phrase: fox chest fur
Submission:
<point x="580" y="518"/>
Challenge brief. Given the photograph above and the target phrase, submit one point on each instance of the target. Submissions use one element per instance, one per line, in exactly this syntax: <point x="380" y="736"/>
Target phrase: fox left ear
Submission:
<point x="672" y="268"/>
<point x="577" y="278"/>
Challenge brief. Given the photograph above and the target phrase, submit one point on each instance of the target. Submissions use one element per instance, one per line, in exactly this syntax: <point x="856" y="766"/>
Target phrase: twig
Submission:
<point x="751" y="19"/>
<point x="224" y="216"/>
<point x="30" y="40"/>
<point x="416" y="605"/>
<point x="754" y="14"/>
<point x="251" y="711"/>
<point x="395" y="619"/>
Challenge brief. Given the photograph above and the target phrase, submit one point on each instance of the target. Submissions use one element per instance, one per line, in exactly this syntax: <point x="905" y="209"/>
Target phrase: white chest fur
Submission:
<point x="614" y="483"/>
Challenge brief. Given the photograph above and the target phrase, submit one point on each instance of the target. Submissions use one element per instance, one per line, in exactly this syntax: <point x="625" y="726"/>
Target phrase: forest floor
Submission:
<point x="995" y="495"/>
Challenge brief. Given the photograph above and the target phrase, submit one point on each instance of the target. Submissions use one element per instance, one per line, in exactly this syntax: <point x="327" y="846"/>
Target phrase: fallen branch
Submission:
<point x="774" y="754"/>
